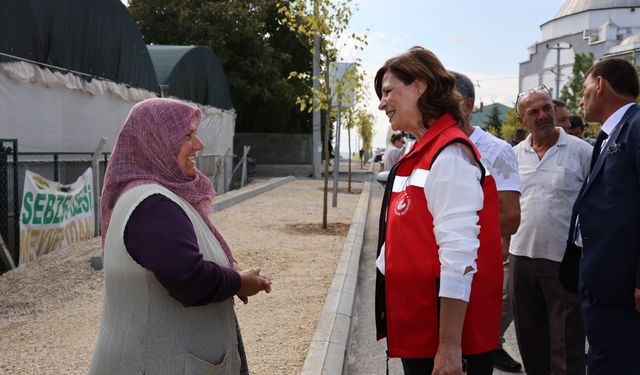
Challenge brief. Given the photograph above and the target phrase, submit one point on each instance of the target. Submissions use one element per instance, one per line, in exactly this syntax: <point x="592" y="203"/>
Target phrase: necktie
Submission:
<point x="602" y="136"/>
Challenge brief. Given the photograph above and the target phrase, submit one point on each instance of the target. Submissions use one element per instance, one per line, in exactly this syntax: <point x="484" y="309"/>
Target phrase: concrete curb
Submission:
<point x="225" y="201"/>
<point x="328" y="347"/>
<point x="236" y="196"/>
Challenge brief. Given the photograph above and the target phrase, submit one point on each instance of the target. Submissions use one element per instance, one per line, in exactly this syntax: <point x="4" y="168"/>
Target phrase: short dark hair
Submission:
<point x="559" y="103"/>
<point x="396" y="137"/>
<point x="419" y="63"/>
<point x="621" y="75"/>
<point x="576" y="122"/>
<point x="464" y="85"/>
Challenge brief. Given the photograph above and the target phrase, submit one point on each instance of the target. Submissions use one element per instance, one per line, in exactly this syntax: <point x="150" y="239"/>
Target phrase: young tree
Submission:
<point x="326" y="21"/>
<point x="365" y="131"/>
<point x="572" y="91"/>
<point x="354" y="81"/>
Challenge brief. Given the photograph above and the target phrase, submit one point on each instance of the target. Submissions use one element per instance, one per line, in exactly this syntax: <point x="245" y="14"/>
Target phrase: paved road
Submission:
<point x="365" y="355"/>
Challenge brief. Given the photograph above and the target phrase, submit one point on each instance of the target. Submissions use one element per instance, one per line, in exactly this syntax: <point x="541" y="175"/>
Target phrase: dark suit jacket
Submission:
<point x="609" y="209"/>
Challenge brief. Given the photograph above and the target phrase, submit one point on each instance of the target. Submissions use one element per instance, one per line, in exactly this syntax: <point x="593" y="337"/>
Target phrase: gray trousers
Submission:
<point x="548" y="322"/>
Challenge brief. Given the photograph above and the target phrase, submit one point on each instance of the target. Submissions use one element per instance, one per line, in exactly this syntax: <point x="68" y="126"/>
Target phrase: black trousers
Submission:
<point x="479" y="364"/>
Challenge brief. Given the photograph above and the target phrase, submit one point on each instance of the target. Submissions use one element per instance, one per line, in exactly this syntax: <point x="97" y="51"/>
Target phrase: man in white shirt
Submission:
<point x="498" y="158"/>
<point x="553" y="166"/>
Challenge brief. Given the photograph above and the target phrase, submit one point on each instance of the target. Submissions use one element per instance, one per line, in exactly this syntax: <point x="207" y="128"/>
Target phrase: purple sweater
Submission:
<point x="160" y="237"/>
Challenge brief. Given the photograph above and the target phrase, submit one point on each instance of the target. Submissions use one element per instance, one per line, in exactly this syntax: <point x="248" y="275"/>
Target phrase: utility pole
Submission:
<point x="558" y="48"/>
<point x="315" y="139"/>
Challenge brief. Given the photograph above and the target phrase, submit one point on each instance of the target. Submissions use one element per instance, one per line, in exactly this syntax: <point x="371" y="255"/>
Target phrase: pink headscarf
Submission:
<point x="146" y="152"/>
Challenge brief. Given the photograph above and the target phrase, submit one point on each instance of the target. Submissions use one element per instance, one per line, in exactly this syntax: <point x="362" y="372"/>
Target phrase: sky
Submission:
<point x="485" y="40"/>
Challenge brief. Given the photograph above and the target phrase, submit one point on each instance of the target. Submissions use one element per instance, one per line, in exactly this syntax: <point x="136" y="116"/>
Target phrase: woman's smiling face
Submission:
<point x="400" y="102"/>
<point x="191" y="144"/>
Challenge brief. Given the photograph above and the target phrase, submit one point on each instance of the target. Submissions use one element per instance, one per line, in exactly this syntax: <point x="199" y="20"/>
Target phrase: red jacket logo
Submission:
<point x="403" y="204"/>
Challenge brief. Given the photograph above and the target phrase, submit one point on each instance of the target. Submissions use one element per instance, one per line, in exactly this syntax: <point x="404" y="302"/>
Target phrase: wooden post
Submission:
<point x="246" y="149"/>
<point x="95" y="165"/>
<point x="5" y="255"/>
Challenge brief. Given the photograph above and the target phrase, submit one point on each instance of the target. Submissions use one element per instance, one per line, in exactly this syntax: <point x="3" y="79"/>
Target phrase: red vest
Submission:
<point x="409" y="317"/>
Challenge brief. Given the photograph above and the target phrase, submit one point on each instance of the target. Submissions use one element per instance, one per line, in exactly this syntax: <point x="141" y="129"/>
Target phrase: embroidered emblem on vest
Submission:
<point x="403" y="204"/>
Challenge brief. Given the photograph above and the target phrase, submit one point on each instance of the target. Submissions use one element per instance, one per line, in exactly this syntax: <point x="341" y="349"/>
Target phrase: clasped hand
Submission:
<point x="252" y="281"/>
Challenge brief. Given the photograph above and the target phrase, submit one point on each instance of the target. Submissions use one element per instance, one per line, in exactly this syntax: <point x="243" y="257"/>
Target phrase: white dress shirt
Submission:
<point x="454" y="197"/>
<point x="613" y="120"/>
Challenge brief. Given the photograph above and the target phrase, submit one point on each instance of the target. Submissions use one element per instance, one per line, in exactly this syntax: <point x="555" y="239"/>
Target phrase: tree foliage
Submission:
<point x="494" y="124"/>
<point x="256" y="51"/>
<point x="510" y="125"/>
<point x="328" y="21"/>
<point x="365" y="130"/>
<point x="572" y="91"/>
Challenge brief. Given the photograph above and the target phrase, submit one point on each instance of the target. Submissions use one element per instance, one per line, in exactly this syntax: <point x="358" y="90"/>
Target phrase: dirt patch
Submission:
<point x="50" y="310"/>
<point x="333" y="229"/>
<point x="356" y="188"/>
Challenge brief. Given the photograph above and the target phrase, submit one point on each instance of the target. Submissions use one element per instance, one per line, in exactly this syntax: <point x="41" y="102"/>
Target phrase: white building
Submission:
<point x="605" y="28"/>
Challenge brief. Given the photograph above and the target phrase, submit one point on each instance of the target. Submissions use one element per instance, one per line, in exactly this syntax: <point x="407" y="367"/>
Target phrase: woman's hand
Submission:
<point x="266" y="281"/>
<point x="236" y="267"/>
<point x="448" y="360"/>
<point x="252" y="281"/>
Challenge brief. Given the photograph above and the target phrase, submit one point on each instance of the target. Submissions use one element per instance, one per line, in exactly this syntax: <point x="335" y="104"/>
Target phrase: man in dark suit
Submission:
<point x="606" y="223"/>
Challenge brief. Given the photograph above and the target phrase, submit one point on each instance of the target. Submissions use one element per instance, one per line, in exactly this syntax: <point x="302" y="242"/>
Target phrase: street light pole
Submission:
<point x="315" y="138"/>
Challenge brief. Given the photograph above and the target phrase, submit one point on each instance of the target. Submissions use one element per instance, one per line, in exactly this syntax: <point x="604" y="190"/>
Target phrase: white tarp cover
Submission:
<point x="50" y="111"/>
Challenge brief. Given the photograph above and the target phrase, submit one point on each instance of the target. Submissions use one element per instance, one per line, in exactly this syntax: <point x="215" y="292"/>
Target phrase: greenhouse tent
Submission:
<point x="69" y="72"/>
<point x="195" y="74"/>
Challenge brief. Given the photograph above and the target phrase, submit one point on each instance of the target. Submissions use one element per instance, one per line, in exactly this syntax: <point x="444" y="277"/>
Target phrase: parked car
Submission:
<point x="378" y="154"/>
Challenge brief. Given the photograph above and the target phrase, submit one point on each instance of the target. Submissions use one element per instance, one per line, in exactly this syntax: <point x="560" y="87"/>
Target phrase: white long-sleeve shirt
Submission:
<point x="454" y="197"/>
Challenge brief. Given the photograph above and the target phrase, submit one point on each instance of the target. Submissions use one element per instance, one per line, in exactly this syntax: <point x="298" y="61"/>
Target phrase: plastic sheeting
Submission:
<point x="55" y="112"/>
<point x="96" y="37"/>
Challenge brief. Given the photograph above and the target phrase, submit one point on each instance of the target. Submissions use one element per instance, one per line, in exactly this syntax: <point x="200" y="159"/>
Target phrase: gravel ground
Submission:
<point x="50" y="309"/>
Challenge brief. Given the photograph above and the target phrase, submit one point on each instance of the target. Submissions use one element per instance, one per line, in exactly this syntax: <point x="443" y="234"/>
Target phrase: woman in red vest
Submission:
<point x="439" y="284"/>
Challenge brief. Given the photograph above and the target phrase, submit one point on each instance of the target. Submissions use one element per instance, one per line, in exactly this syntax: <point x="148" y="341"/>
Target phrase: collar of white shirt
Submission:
<point x="476" y="135"/>
<point x="562" y="140"/>
<point x="614" y="119"/>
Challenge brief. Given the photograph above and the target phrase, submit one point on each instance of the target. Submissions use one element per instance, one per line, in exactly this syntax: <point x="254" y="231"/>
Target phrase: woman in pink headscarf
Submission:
<point x="170" y="277"/>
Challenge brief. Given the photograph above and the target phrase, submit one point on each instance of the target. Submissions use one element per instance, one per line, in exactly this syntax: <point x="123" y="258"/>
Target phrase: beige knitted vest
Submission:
<point x="146" y="331"/>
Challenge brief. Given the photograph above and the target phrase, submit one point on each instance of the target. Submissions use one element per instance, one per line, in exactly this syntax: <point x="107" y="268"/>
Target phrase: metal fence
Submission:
<point x="9" y="209"/>
<point x="64" y="167"/>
